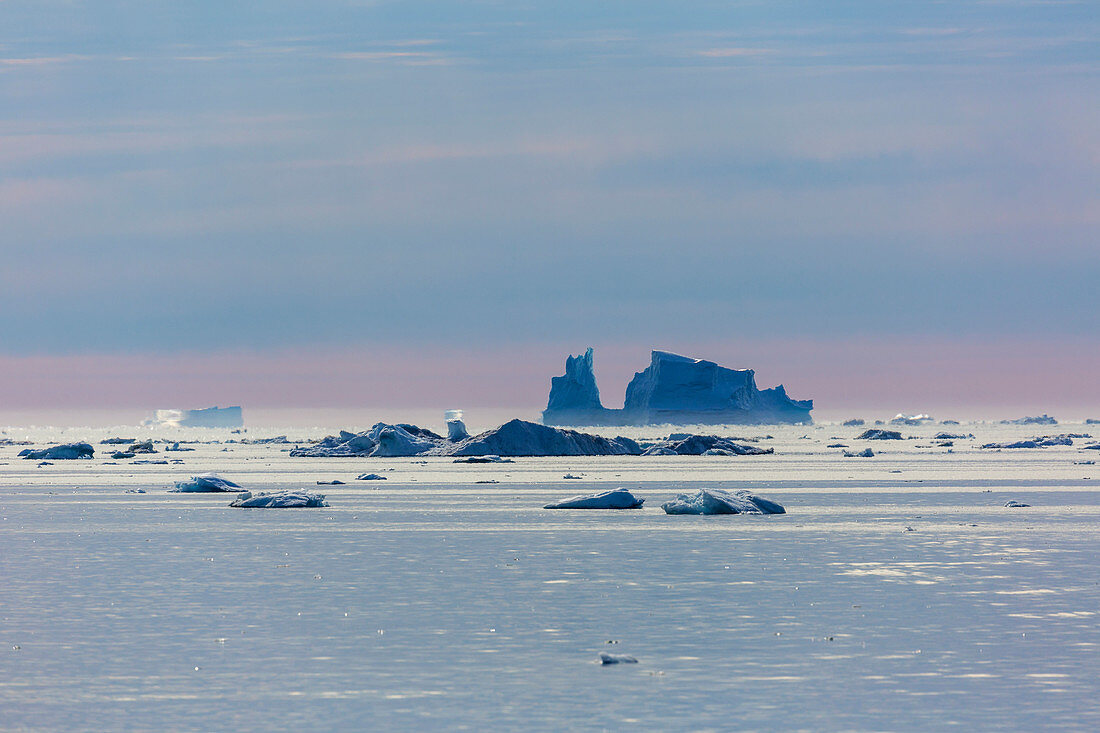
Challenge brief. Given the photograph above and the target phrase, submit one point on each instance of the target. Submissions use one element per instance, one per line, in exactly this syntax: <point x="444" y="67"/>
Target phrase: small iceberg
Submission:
<point x="205" y="483"/>
<point x="879" y="434"/>
<point x="334" y="482"/>
<point x="370" y="477"/>
<point x="68" y="451"/>
<point x="606" y="658"/>
<point x="615" y="499"/>
<point x="865" y="453"/>
<point x="1016" y="504"/>
<point x="279" y="500"/>
<point x="719" y="501"/>
<point x="483" y="459"/>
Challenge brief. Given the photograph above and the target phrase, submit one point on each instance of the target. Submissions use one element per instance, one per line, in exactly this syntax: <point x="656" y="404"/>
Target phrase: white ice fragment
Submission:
<point x="606" y="658"/>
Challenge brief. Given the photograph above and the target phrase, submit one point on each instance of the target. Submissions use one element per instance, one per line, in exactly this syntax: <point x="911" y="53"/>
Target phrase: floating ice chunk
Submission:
<point x="279" y="500"/>
<point x="719" y="501"/>
<point x="854" y="423"/>
<point x="144" y="447"/>
<point x="614" y="499"/>
<point x="1016" y="504"/>
<point x="119" y="455"/>
<point x="176" y="447"/>
<point x="483" y="459"/>
<point x="606" y="658"/>
<point x="334" y="482"/>
<point x="118" y="441"/>
<point x="207" y="482"/>
<point x="1045" y="441"/>
<point x="571" y="476"/>
<point x="67" y="451"/>
<point x="879" y="434"/>
<point x="865" y="453"/>
<point x="370" y="477"/>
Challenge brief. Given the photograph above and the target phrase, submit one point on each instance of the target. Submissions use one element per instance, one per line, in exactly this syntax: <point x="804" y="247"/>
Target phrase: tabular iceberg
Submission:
<point x="672" y="389"/>
<point x="208" y="417"/>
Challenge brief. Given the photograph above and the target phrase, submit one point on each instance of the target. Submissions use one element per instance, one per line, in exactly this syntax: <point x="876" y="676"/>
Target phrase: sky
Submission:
<point x="332" y="202"/>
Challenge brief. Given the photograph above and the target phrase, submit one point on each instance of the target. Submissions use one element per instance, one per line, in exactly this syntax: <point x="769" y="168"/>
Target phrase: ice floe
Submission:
<point x="279" y="500"/>
<point x="606" y="658"/>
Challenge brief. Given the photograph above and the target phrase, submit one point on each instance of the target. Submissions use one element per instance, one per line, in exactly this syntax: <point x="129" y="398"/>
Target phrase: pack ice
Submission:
<point x="615" y="499"/>
<point x="720" y="501"/>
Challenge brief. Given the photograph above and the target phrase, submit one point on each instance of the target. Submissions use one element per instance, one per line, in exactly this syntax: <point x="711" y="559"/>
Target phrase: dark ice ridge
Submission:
<point x="513" y="438"/>
<point x="672" y="389"/>
<point x="879" y="434"/>
<point x="68" y="451"/>
<point x="1046" y="441"/>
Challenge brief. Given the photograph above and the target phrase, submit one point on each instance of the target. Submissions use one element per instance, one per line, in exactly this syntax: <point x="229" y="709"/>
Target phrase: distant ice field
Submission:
<point x="880" y="601"/>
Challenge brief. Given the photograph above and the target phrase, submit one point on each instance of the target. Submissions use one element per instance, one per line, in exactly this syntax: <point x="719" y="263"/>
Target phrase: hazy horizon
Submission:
<point x="348" y="202"/>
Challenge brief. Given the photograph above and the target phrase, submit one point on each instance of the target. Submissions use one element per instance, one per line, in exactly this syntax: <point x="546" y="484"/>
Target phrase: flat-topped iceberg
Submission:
<point x="208" y="417"/>
<point x="1045" y="441"/>
<point x="66" y="452"/>
<point x="672" y="389"/>
<point x="204" y="483"/>
<point x="720" y="501"/>
<point x="614" y="499"/>
<point x="1043" y="419"/>
<point x="279" y="500"/>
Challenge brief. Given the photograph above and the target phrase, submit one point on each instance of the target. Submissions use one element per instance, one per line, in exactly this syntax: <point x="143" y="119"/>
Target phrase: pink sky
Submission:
<point x="978" y="378"/>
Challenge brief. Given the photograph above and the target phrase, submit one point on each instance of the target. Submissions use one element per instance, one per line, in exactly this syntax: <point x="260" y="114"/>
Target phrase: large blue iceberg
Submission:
<point x="672" y="389"/>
